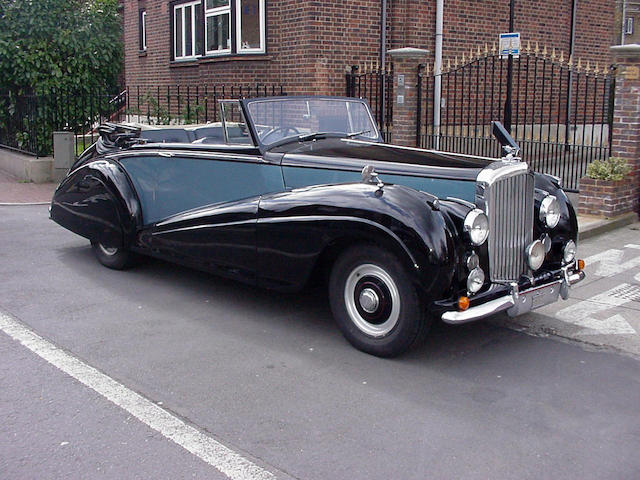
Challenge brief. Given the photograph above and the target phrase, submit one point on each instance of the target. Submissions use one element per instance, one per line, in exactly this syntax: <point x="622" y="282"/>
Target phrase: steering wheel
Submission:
<point x="284" y="132"/>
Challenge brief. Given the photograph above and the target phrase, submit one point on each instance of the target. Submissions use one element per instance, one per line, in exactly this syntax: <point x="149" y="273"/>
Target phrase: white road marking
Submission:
<point x="228" y="462"/>
<point x="632" y="245"/>
<point x="609" y="263"/>
<point x="581" y="313"/>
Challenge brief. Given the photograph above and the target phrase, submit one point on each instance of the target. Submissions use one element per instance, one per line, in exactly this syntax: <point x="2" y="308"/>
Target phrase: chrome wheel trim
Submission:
<point x="108" y="251"/>
<point x="371" y="329"/>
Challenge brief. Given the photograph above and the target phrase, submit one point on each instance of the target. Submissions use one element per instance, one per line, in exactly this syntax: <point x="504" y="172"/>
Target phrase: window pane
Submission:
<point x="218" y="32"/>
<point x="178" y="33"/>
<point x="250" y="21"/>
<point x="217" y="3"/>
<point x="188" y="38"/>
<point x="199" y="28"/>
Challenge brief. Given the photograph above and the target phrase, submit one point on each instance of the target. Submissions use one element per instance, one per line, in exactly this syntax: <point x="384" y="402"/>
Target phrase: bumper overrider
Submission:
<point x="517" y="298"/>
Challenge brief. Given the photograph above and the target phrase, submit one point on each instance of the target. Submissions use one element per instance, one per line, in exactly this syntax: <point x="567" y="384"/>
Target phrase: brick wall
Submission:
<point x="309" y="44"/>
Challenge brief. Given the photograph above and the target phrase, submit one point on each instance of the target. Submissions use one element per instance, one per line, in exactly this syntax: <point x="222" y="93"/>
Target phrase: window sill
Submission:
<point x="235" y="57"/>
<point x="192" y="62"/>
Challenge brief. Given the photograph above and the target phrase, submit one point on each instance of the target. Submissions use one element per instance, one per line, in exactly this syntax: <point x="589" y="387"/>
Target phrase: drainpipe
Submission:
<point x="624" y="19"/>
<point x="572" y="42"/>
<point x="437" y="71"/>
<point x="383" y="59"/>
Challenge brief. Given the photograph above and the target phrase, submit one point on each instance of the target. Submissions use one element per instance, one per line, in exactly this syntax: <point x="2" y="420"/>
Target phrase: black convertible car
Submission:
<point x="286" y="189"/>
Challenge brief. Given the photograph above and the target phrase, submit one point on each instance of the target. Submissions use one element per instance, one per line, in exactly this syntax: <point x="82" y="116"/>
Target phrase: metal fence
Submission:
<point x="375" y="85"/>
<point x="28" y="121"/>
<point x="560" y="111"/>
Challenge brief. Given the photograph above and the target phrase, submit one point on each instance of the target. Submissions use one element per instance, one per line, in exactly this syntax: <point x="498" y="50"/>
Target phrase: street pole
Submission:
<point x="507" y="104"/>
<point x="383" y="62"/>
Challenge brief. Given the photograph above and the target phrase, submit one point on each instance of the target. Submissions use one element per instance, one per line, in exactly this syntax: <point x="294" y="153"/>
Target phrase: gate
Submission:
<point x="376" y="86"/>
<point x="559" y="111"/>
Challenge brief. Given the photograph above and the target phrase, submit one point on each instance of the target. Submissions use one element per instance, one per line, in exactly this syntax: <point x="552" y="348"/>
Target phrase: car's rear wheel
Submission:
<point x="374" y="302"/>
<point x="113" y="257"/>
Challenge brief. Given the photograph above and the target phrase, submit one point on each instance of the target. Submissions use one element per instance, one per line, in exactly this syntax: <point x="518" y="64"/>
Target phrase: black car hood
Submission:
<point x="351" y="152"/>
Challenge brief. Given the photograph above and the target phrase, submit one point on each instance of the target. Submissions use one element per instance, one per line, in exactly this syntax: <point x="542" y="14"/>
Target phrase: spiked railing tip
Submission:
<point x="570" y="60"/>
<point x="553" y="53"/>
<point x="494" y="48"/>
<point x="545" y="52"/>
<point x="561" y="56"/>
<point x="486" y="49"/>
<point x="537" y="50"/>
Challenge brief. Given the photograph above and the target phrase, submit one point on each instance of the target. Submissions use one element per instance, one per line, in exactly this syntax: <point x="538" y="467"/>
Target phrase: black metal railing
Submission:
<point x="559" y="111"/>
<point x="28" y="121"/>
<point x="376" y="86"/>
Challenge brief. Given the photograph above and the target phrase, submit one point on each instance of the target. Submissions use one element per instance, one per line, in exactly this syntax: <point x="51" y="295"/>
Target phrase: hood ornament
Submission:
<point x="369" y="175"/>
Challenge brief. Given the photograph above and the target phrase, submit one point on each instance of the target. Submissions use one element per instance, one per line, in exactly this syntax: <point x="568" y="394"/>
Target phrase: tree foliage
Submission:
<point x="70" y="45"/>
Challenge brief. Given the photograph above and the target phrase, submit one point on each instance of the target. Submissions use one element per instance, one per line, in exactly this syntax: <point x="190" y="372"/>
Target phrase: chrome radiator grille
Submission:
<point x="509" y="204"/>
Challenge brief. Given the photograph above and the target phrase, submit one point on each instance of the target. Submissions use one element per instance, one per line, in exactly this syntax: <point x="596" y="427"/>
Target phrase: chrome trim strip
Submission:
<point x="209" y="225"/>
<point x="501" y="170"/>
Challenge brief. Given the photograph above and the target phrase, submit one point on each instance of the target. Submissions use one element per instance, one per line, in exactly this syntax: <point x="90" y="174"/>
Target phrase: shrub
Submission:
<point x="613" y="168"/>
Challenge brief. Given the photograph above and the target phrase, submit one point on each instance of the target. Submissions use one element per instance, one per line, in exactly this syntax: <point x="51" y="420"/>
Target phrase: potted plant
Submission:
<point x="607" y="190"/>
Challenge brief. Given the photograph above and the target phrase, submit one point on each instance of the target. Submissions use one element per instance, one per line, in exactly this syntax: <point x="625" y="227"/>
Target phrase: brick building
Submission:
<point x="306" y="46"/>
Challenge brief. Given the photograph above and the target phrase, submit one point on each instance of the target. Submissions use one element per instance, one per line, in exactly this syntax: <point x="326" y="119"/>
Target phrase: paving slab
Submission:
<point x="603" y="310"/>
<point x="13" y="190"/>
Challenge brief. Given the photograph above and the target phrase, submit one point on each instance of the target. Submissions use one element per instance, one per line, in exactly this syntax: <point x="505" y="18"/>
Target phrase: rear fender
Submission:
<point x="97" y="202"/>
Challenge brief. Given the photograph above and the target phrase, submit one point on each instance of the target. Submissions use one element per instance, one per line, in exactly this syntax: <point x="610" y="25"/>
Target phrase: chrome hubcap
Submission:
<point x="372" y="300"/>
<point x="369" y="300"/>
<point x="110" y="251"/>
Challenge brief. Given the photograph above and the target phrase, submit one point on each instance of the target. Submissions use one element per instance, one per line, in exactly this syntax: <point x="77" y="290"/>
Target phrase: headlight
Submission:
<point x="550" y="211"/>
<point x="569" y="252"/>
<point x="476" y="224"/>
<point x="535" y="255"/>
<point x="475" y="280"/>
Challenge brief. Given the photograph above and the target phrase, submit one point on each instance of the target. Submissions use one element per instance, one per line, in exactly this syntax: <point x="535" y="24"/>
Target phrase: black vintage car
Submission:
<point x="287" y="189"/>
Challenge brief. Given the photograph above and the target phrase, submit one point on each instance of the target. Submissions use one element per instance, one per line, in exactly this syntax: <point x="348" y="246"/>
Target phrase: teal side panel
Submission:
<point x="296" y="177"/>
<point x="170" y="185"/>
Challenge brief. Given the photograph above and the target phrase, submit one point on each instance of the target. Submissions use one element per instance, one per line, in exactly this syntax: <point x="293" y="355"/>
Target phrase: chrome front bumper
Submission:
<point x="518" y="302"/>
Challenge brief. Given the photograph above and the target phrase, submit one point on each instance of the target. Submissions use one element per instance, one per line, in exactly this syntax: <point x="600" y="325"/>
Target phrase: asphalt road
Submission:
<point x="270" y="377"/>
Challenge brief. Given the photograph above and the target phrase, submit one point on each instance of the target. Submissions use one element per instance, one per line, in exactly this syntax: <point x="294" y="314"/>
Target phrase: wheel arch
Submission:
<point x="98" y="202"/>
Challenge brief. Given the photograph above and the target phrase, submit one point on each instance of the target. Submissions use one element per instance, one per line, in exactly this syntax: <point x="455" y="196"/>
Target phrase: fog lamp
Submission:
<point x="475" y="280"/>
<point x="569" y="252"/>
<point x="535" y="255"/>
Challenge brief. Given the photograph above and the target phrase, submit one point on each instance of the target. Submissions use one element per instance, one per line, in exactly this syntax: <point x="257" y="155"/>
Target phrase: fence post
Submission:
<point x="608" y="198"/>
<point x="406" y="62"/>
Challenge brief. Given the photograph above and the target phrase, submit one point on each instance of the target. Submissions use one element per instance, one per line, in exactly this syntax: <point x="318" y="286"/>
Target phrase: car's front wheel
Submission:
<point x="113" y="257"/>
<point x="374" y="302"/>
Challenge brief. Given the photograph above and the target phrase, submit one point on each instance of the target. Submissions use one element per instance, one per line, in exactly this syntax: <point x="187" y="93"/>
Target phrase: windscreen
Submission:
<point x="278" y="119"/>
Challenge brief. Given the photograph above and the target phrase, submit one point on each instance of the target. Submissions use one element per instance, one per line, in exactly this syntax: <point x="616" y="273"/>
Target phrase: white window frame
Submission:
<point x="144" y="30"/>
<point x="182" y="6"/>
<point x="214" y="12"/>
<point x="244" y="51"/>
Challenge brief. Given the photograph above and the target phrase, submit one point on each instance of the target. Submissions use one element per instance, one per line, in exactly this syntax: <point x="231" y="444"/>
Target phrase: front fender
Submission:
<point x="97" y="202"/>
<point x="296" y="228"/>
